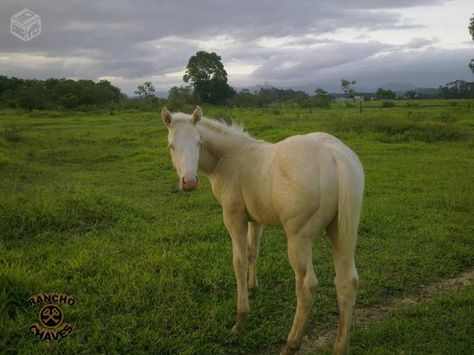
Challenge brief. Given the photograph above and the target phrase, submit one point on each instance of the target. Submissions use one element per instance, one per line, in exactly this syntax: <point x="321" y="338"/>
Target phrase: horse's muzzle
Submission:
<point x="188" y="185"/>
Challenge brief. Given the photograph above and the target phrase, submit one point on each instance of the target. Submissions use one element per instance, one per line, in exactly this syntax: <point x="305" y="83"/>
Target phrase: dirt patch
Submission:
<point x="365" y="316"/>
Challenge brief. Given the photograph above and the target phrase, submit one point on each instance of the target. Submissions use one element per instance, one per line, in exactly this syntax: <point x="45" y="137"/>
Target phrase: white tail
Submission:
<point x="351" y="189"/>
<point x="344" y="239"/>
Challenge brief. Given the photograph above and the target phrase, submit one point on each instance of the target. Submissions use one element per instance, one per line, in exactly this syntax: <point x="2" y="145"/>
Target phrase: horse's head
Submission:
<point x="184" y="142"/>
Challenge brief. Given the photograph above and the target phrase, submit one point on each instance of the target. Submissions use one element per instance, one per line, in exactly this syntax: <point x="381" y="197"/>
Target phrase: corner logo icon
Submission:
<point x="25" y="25"/>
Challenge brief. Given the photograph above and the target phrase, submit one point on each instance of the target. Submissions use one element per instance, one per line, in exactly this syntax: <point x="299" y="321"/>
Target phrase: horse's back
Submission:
<point x="310" y="146"/>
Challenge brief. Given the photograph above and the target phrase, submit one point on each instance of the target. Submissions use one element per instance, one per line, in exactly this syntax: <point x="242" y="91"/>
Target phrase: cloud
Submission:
<point x="419" y="42"/>
<point x="430" y="67"/>
<point x="134" y="41"/>
<point x="295" y="65"/>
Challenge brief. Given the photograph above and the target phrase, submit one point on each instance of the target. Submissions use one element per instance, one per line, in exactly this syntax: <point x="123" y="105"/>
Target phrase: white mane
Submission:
<point x="217" y="126"/>
<point x="224" y="127"/>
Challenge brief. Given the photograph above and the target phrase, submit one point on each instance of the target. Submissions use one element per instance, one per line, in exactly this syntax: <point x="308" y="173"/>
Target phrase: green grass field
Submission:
<point x="442" y="325"/>
<point x="90" y="206"/>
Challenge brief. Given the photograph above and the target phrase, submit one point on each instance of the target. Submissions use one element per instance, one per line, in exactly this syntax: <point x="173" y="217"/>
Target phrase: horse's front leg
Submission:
<point x="236" y="221"/>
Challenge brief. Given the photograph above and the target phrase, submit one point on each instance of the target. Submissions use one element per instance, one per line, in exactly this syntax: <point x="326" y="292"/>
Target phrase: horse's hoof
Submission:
<point x="236" y="329"/>
<point x="240" y="323"/>
<point x="340" y="350"/>
<point x="288" y="350"/>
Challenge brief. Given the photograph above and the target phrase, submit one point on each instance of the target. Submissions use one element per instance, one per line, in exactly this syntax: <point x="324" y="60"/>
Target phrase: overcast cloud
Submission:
<point x="282" y="43"/>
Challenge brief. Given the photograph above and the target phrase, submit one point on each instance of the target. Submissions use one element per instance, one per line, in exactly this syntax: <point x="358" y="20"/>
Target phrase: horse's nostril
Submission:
<point x="189" y="183"/>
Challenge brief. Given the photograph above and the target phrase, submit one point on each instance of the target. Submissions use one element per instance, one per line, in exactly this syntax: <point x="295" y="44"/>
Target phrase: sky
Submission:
<point x="424" y="43"/>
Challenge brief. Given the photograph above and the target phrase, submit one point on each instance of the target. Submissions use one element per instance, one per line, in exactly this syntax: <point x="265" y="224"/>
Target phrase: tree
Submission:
<point x="458" y="89"/>
<point x="145" y="90"/>
<point x="244" y="98"/>
<point x="348" y="87"/>
<point x="411" y="94"/>
<point x="208" y="78"/>
<point x="106" y="92"/>
<point x="30" y="95"/>
<point x="56" y="93"/>
<point x="321" y="98"/>
<point x="471" y="26"/>
<point x="385" y="94"/>
<point x="179" y="96"/>
<point x="471" y="31"/>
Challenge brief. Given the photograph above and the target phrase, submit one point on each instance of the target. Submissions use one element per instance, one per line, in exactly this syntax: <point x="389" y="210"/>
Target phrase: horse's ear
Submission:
<point x="166" y="116"/>
<point x="197" y="114"/>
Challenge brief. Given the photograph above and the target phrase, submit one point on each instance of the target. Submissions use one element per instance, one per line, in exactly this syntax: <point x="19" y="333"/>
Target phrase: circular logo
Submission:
<point x="51" y="316"/>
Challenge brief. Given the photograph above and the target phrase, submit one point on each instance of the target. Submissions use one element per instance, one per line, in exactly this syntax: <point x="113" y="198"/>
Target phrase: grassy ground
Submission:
<point x="89" y="206"/>
<point x="442" y="325"/>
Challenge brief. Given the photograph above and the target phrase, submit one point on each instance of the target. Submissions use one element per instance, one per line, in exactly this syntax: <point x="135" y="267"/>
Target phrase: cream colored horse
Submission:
<point x="306" y="183"/>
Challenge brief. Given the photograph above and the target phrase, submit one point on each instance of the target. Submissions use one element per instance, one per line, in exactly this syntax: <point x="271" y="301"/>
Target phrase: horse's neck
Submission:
<point x="217" y="146"/>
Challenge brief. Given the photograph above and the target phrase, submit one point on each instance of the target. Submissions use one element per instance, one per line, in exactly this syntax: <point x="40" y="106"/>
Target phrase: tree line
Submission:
<point x="263" y="97"/>
<point x="458" y="89"/>
<point x="207" y="83"/>
<point x="56" y="93"/>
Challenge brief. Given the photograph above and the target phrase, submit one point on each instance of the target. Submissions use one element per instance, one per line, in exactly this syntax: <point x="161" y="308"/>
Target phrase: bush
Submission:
<point x="387" y="103"/>
<point x="180" y="98"/>
<point x="11" y="133"/>
<point x="275" y="108"/>
<point x="425" y="132"/>
<point x="394" y="130"/>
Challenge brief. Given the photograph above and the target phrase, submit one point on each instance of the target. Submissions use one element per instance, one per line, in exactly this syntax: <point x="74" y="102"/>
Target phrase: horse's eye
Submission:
<point x="170" y="146"/>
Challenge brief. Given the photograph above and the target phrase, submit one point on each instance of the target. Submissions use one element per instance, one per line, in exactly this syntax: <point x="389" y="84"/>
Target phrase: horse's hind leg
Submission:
<point x="346" y="283"/>
<point x="300" y="247"/>
<point x="253" y="242"/>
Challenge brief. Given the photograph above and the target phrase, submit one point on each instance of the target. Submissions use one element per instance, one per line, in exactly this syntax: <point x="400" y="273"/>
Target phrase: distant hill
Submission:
<point x="427" y="91"/>
<point x="397" y="87"/>
<point x="161" y="94"/>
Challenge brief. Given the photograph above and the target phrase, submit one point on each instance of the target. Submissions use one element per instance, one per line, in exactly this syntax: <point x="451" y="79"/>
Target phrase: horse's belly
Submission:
<point x="261" y="210"/>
